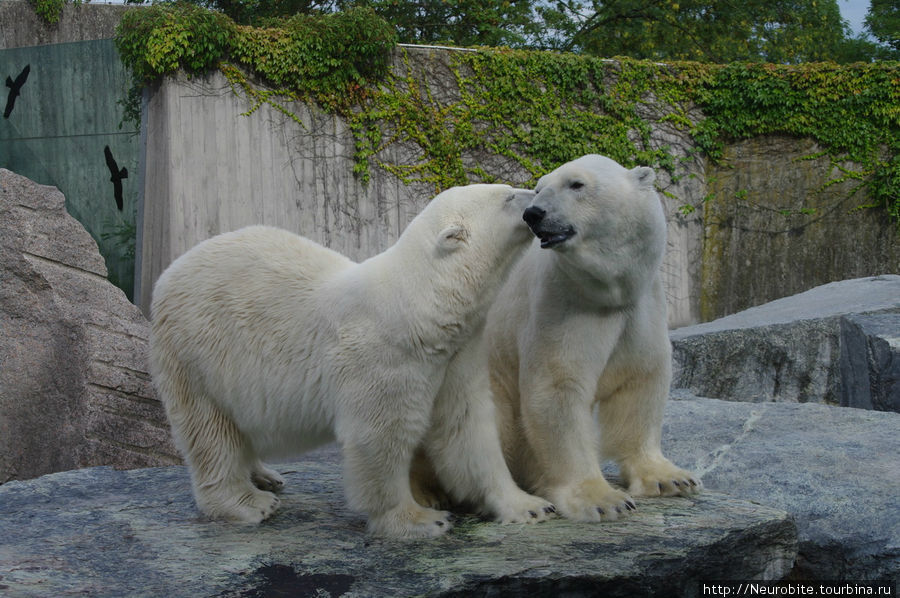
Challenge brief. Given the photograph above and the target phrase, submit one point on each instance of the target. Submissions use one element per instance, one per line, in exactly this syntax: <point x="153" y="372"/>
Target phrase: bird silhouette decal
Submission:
<point x="116" y="177"/>
<point x="14" y="88"/>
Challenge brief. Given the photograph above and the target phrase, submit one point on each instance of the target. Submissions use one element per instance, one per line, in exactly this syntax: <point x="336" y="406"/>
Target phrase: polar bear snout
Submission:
<point x="551" y="232"/>
<point x="533" y="216"/>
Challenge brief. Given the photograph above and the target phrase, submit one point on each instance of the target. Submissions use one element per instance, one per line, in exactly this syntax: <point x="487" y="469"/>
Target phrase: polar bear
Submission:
<point x="266" y="344"/>
<point x="578" y="334"/>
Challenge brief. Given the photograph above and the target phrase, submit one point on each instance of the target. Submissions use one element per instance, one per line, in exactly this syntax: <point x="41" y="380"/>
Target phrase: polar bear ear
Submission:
<point x="644" y="176"/>
<point x="453" y="237"/>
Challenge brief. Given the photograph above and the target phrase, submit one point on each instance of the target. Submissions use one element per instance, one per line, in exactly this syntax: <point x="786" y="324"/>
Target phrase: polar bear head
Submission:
<point x="460" y="248"/>
<point x="606" y="218"/>
<point x="471" y="232"/>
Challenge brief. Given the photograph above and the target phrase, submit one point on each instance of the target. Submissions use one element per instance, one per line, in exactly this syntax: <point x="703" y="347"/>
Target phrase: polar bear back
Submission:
<point x="246" y="302"/>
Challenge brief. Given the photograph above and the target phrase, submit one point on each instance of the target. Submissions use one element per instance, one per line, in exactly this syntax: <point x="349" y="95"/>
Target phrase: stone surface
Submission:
<point x="785" y="350"/>
<point x="834" y="469"/>
<point x="101" y="532"/>
<point x="870" y="362"/>
<point x="73" y="350"/>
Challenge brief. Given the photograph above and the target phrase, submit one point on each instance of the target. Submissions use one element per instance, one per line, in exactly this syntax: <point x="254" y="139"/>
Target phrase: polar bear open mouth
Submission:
<point x="551" y="238"/>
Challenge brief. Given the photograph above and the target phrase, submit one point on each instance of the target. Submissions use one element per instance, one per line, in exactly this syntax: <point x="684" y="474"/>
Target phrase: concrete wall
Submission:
<point x="20" y="26"/>
<point x="767" y="225"/>
<point x="210" y="169"/>
<point x="776" y="227"/>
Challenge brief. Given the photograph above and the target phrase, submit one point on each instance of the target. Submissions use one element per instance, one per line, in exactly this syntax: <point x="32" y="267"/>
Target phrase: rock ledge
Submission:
<point x="103" y="532"/>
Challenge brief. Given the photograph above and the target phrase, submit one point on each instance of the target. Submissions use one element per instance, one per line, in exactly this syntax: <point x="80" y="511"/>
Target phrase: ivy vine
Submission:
<point x="50" y="10"/>
<point x="539" y="109"/>
<point x="852" y="111"/>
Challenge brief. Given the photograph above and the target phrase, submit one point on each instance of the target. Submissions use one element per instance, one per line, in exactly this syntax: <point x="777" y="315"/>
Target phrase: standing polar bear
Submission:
<point x="266" y="344"/>
<point x="580" y="327"/>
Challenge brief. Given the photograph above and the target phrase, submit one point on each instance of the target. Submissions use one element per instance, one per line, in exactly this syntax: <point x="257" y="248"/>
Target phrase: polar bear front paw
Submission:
<point x="410" y="521"/>
<point x="523" y="508"/>
<point x="659" y="478"/>
<point x="592" y="500"/>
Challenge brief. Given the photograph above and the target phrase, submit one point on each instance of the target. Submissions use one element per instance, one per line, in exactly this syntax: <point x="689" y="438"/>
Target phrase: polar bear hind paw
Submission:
<point x="253" y="506"/>
<point x="410" y="522"/>
<point x="268" y="479"/>
<point x="660" y="479"/>
<point x="592" y="500"/>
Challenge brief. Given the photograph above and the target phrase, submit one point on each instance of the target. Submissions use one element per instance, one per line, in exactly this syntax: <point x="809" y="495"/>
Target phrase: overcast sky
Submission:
<point x="854" y="12"/>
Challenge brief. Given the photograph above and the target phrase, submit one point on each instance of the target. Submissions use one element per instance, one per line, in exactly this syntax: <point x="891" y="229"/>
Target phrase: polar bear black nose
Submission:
<point x="533" y="215"/>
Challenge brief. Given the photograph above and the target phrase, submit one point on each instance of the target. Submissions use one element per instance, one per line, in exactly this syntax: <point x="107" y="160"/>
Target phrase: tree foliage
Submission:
<point x="715" y="31"/>
<point x="719" y="31"/>
<point x="256" y="12"/>
<point x="883" y="21"/>
<point x="463" y="22"/>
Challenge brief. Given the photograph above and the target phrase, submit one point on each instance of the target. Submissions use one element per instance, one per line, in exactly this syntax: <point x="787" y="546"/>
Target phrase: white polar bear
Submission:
<point x="580" y="327"/>
<point x="266" y="344"/>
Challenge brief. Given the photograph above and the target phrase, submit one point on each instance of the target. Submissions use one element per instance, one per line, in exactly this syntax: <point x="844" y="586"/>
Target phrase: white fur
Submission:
<point x="579" y="331"/>
<point x="266" y="344"/>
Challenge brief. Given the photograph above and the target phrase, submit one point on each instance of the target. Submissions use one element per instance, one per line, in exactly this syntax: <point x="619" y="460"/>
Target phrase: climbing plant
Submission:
<point x="852" y="111"/>
<point x="538" y="109"/>
<point x="50" y="10"/>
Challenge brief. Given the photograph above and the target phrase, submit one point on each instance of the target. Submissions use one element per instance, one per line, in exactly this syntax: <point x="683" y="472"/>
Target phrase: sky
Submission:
<point x="854" y="12"/>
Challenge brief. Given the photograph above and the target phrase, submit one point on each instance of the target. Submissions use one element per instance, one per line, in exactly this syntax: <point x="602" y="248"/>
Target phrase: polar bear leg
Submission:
<point x="220" y="460"/>
<point x="557" y="422"/>
<point x="424" y="483"/>
<point x="377" y="481"/>
<point x="631" y="427"/>
<point x="464" y="445"/>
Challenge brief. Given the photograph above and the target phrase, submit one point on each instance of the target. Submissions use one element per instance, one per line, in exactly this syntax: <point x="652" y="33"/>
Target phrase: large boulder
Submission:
<point x="74" y="388"/>
<point x="834" y="469"/>
<point x="870" y="362"/>
<point x="78" y="532"/>
<point x="803" y="348"/>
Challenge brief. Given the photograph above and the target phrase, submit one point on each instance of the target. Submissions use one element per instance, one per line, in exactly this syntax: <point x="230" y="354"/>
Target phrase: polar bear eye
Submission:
<point x="576" y="185"/>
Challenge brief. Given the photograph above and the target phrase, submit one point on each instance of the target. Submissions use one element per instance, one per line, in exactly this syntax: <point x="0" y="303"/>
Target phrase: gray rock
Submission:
<point x="137" y="533"/>
<point x="74" y="391"/>
<point x="834" y="469"/>
<point x="870" y="362"/>
<point x="786" y="350"/>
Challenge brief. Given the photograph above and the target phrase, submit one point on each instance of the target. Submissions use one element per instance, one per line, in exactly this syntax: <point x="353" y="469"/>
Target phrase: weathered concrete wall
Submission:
<point x="210" y="169"/>
<point x="771" y="228"/>
<point x="759" y="245"/>
<point x="20" y="26"/>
